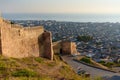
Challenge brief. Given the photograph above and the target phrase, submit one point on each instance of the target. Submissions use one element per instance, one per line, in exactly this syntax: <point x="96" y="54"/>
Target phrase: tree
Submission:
<point x="85" y="38"/>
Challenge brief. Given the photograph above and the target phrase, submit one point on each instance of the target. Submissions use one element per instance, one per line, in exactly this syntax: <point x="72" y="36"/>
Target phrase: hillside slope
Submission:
<point x="35" y="69"/>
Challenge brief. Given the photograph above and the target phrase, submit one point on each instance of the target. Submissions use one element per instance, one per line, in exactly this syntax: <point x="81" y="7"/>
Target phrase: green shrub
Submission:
<point x="40" y="60"/>
<point x="24" y="73"/>
<point x="86" y="60"/>
<point x="51" y="64"/>
<point x="107" y="64"/>
<point x="3" y="69"/>
<point x="84" y="38"/>
<point x="102" y="62"/>
<point x="98" y="78"/>
<point x="2" y="66"/>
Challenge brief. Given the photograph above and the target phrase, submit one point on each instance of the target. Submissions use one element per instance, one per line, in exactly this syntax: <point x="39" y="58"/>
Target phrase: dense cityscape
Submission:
<point x="60" y="40"/>
<point x="105" y="45"/>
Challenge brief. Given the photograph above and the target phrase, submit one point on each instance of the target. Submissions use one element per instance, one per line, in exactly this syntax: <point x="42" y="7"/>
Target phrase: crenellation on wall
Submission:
<point x="35" y="27"/>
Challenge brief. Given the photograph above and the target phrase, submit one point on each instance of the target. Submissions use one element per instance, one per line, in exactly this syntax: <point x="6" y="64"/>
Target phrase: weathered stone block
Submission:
<point x="48" y="48"/>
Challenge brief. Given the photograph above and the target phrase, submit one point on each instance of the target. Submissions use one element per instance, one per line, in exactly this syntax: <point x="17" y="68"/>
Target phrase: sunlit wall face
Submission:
<point x="60" y="6"/>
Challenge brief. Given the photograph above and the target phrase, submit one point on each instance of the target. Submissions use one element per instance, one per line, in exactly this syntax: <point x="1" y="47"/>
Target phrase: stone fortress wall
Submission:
<point x="19" y="42"/>
<point x="65" y="48"/>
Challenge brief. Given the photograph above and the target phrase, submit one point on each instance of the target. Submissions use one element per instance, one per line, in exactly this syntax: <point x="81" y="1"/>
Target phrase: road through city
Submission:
<point x="91" y="70"/>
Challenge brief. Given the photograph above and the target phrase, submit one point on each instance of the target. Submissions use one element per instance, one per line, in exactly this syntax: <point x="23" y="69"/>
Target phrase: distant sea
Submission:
<point x="66" y="17"/>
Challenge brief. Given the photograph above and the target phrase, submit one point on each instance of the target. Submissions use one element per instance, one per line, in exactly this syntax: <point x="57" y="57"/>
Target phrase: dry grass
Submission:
<point x="36" y="69"/>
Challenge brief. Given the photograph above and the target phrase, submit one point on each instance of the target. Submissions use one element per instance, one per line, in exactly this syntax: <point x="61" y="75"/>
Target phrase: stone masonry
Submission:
<point x="68" y="47"/>
<point x="65" y="48"/>
<point x="19" y="42"/>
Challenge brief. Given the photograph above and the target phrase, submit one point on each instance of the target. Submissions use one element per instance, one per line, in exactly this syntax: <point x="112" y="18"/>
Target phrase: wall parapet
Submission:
<point x="33" y="28"/>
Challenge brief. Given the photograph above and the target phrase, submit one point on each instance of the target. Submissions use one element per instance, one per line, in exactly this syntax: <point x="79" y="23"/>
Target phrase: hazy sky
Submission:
<point x="60" y="6"/>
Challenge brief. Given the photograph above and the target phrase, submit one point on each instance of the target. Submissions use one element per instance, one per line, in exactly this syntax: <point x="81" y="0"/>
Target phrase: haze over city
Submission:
<point x="60" y="6"/>
<point x="60" y="39"/>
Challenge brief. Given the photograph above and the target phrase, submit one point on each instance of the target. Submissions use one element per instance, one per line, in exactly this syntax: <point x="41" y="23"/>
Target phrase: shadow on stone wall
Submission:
<point x="45" y="45"/>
